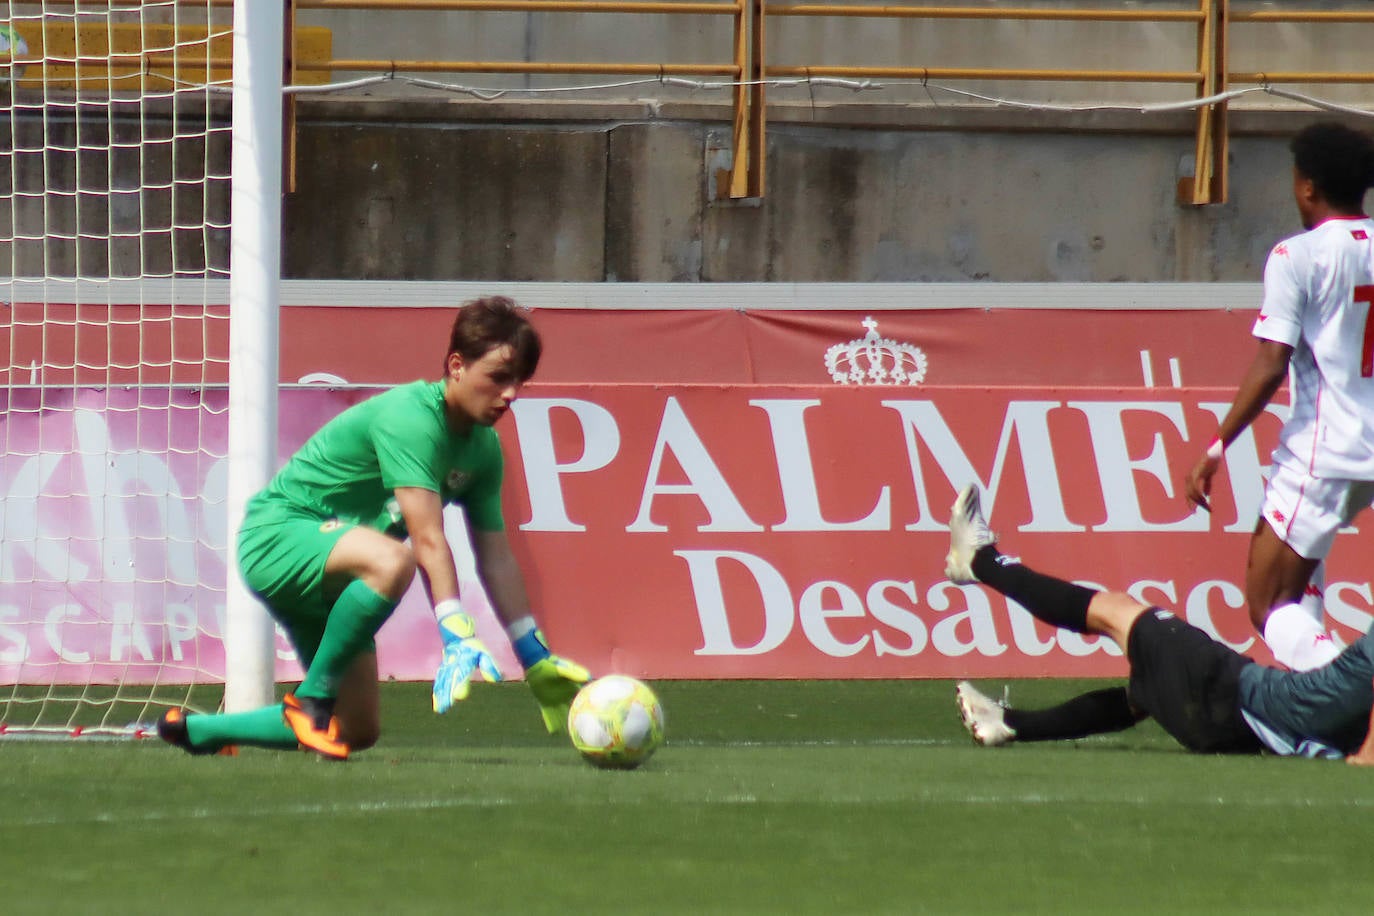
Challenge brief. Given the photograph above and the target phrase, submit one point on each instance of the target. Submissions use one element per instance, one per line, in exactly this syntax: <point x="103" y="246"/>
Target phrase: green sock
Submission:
<point x="354" y="619"/>
<point x="258" y="727"/>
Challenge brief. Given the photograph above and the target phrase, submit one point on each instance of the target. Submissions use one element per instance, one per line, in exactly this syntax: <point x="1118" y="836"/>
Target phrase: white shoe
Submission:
<point x="984" y="717"/>
<point x="967" y="533"/>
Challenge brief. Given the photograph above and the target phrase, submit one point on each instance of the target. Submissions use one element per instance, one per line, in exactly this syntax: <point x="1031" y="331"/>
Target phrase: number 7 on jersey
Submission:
<point x="1365" y="294"/>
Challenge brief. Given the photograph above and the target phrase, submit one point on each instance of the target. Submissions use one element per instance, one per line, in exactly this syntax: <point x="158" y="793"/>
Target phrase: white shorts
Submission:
<point x="1306" y="512"/>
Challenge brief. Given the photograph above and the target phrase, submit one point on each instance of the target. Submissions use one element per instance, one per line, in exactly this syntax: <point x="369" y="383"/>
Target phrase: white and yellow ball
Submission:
<point x="616" y="722"/>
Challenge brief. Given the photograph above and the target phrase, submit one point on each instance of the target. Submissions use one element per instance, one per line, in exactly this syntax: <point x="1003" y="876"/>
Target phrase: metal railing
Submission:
<point x="749" y="63"/>
<point x="1207" y="77"/>
<point x="745" y="178"/>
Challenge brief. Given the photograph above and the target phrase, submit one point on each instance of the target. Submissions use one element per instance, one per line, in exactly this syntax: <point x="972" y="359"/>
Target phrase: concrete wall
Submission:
<point x="889" y="184"/>
<point x="627" y="201"/>
<point x="475" y="193"/>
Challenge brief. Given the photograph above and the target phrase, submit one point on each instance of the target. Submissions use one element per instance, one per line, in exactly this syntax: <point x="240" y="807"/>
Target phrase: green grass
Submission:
<point x="771" y="797"/>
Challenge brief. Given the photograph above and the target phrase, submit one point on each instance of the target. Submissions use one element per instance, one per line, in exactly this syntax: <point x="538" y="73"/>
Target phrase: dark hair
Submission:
<point x="1338" y="160"/>
<point x="485" y="324"/>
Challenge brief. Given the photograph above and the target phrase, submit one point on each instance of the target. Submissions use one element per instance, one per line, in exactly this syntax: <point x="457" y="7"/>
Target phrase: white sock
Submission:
<point x="1297" y="640"/>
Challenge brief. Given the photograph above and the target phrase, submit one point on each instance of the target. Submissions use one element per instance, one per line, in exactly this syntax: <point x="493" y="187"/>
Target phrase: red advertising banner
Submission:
<point x="54" y="344"/>
<point x="769" y="531"/>
<point x="734" y="493"/>
<point x="1125" y="348"/>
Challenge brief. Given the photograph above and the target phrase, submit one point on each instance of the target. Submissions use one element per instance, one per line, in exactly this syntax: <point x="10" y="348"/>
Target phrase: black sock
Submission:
<point x="1052" y="600"/>
<point x="1090" y="714"/>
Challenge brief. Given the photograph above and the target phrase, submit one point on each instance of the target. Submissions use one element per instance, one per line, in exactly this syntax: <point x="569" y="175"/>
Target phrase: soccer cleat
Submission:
<point x="968" y="532"/>
<point x="171" y="727"/>
<point x="314" y="724"/>
<point x="984" y="717"/>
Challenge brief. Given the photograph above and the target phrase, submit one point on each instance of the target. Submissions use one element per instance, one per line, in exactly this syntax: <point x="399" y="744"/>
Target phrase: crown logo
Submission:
<point x="874" y="360"/>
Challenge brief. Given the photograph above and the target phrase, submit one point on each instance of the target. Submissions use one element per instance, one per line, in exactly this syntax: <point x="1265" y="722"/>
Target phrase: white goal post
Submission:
<point x="254" y="301"/>
<point x="139" y="342"/>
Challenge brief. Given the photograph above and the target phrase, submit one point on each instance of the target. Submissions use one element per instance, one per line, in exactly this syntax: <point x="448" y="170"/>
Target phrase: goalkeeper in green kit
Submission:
<point x="323" y="546"/>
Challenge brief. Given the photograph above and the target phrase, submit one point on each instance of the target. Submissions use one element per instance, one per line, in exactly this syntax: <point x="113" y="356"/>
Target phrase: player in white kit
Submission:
<point x="1314" y="327"/>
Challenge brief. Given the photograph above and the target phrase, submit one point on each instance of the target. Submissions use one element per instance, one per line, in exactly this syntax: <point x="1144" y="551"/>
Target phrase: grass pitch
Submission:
<point x="770" y="797"/>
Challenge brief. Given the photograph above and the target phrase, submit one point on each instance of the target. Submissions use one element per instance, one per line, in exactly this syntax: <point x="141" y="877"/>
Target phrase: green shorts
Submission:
<point x="282" y="553"/>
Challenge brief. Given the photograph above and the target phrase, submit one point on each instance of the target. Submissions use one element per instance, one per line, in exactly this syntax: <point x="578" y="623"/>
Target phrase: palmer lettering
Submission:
<point x="922" y="423"/>
<point x="797" y="474"/>
<point x="704" y="479"/>
<point x="602" y="462"/>
<point x="543" y="471"/>
<point x="1119" y="473"/>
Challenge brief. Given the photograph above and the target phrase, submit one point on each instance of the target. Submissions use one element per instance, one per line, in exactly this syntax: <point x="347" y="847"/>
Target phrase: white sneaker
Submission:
<point x="984" y="717"/>
<point x="967" y="533"/>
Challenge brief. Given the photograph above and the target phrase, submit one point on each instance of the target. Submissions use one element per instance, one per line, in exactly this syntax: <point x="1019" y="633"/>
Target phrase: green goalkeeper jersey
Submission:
<point x="351" y="467"/>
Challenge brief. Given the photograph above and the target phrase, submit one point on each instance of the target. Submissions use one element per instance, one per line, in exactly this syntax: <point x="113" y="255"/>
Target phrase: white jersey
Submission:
<point x="1318" y="292"/>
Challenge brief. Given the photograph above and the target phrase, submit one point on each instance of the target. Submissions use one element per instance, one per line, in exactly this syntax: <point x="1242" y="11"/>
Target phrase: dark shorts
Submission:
<point x="1189" y="683"/>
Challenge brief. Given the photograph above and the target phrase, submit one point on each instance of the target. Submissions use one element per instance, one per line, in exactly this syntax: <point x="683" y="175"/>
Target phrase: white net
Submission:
<point x="114" y="240"/>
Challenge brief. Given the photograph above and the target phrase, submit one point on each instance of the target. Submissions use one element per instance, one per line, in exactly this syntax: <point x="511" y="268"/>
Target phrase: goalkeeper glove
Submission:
<point x="464" y="656"/>
<point x="553" y="680"/>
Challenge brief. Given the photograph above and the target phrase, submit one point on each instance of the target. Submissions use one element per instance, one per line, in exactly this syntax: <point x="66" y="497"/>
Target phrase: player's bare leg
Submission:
<point x="1275" y="574"/>
<point x="384" y="564"/>
<point x="1113" y="614"/>
<point x="1276" y="578"/>
<point x="358" y="706"/>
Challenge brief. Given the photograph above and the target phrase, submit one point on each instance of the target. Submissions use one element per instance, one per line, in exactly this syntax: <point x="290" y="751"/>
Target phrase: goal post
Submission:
<point x="137" y="356"/>
<point x="255" y="299"/>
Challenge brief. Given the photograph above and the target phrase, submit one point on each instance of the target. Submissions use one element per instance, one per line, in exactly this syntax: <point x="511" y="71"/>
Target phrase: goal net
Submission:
<point x="114" y="235"/>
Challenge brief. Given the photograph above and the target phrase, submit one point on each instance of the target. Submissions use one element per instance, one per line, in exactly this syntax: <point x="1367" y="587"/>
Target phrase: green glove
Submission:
<point x="553" y="680"/>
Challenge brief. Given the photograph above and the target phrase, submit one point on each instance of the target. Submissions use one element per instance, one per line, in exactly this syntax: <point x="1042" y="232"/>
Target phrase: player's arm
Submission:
<point x="424" y="517"/>
<point x="500" y="574"/>
<point x="553" y="680"/>
<point x="1262" y="380"/>
<point x="464" y="654"/>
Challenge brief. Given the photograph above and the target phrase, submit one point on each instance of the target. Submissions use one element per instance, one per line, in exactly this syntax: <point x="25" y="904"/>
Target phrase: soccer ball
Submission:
<point x="12" y="45"/>
<point x="616" y="722"/>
